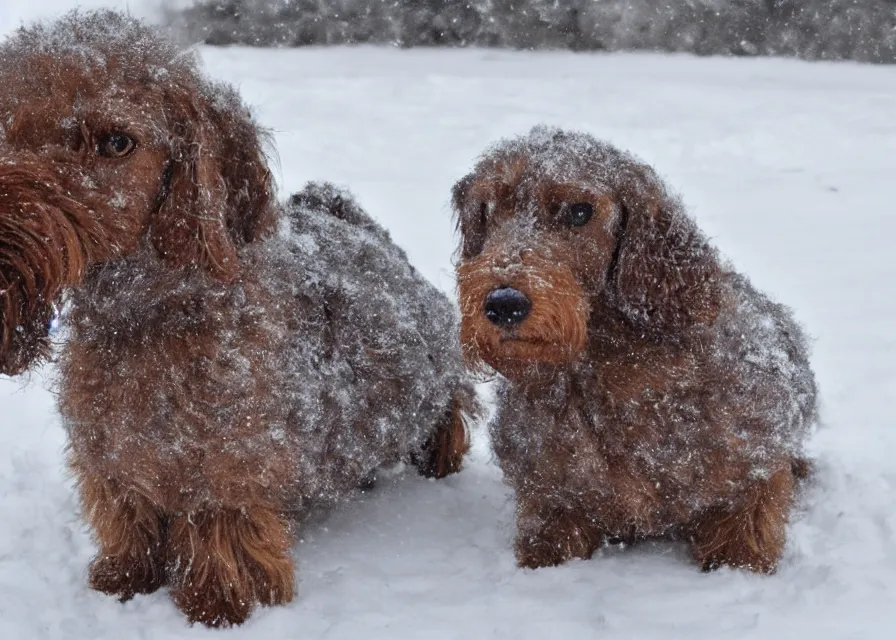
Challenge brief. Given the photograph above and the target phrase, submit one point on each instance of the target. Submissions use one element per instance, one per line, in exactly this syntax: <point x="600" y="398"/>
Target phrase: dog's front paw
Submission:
<point x="548" y="537"/>
<point x="219" y="604"/>
<point x="126" y="577"/>
<point x="214" y="605"/>
<point x="739" y="554"/>
<point x="224" y="562"/>
<point x="534" y="551"/>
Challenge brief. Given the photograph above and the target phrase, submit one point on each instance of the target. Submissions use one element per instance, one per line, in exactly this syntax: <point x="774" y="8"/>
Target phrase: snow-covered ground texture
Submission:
<point x="789" y="166"/>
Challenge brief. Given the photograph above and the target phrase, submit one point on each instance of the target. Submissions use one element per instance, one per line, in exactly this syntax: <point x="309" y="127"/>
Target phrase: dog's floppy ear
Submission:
<point x="218" y="190"/>
<point x="665" y="276"/>
<point x="459" y="193"/>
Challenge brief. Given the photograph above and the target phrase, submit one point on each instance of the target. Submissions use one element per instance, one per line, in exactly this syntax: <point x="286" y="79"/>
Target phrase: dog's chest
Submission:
<point x="580" y="447"/>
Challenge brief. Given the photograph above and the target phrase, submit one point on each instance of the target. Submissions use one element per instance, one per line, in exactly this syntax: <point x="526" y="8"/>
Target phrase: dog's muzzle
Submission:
<point x="47" y="236"/>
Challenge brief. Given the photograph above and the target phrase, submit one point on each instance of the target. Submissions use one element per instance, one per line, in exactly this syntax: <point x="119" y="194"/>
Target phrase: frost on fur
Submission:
<point x="228" y="361"/>
<point x="647" y="389"/>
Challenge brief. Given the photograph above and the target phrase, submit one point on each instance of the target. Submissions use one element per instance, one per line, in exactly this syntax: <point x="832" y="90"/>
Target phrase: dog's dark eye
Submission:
<point x="578" y="214"/>
<point x="116" y="145"/>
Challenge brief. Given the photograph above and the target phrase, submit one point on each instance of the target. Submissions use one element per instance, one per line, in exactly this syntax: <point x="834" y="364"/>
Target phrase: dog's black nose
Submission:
<point x="507" y="307"/>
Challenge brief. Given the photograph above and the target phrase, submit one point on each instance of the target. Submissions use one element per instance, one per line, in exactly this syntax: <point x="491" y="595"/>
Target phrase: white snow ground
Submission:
<point x="790" y="166"/>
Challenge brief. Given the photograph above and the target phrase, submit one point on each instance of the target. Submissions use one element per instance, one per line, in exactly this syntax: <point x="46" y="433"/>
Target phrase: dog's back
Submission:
<point x="374" y="361"/>
<point x="762" y="344"/>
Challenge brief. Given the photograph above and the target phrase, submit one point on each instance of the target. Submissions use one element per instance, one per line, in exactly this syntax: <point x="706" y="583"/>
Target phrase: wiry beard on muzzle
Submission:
<point x="49" y="235"/>
<point x="555" y="329"/>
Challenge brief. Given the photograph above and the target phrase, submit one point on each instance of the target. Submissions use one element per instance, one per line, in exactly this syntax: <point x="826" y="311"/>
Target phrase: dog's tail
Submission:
<point x="444" y="451"/>
<point x="327" y="198"/>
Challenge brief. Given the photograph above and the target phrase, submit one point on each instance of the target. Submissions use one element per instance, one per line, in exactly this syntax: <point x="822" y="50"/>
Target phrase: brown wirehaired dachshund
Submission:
<point x="228" y="362"/>
<point x="647" y="389"/>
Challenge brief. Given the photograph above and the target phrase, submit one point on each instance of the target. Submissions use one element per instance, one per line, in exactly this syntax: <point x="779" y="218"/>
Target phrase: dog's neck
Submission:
<point x="614" y="345"/>
<point x="550" y="384"/>
<point x="138" y="295"/>
<point x="612" y="334"/>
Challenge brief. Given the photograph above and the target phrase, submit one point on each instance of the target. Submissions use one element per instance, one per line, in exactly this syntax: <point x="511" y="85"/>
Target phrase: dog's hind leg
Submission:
<point x="222" y="562"/>
<point x="449" y="442"/>
<point x="750" y="534"/>
<point x="130" y="531"/>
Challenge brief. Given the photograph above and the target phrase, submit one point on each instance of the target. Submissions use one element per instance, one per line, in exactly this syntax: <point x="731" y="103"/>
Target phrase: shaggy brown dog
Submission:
<point x="228" y="362"/>
<point x="648" y="389"/>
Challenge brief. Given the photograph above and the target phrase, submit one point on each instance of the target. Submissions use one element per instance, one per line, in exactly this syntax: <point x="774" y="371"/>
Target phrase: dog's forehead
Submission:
<point x="86" y="62"/>
<point x="548" y="158"/>
<point x="103" y="42"/>
<point x="51" y="77"/>
<point x="42" y="117"/>
<point x="521" y="177"/>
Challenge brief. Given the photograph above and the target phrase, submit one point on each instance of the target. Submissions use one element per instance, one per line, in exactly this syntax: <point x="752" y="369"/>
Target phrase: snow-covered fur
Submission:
<point x="227" y="361"/>
<point x="647" y="389"/>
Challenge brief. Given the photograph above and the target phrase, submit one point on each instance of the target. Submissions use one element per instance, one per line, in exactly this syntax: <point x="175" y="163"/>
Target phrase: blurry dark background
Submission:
<point x="862" y="30"/>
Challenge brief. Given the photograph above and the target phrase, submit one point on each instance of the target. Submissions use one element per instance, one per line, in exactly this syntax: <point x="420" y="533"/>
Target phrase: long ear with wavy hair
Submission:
<point x="665" y="275"/>
<point x="218" y="193"/>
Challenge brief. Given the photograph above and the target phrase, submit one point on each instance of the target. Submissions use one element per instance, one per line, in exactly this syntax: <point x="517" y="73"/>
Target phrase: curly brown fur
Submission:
<point x="647" y="389"/>
<point x="221" y="562"/>
<point x="227" y="361"/>
<point x="46" y="245"/>
<point x="133" y="535"/>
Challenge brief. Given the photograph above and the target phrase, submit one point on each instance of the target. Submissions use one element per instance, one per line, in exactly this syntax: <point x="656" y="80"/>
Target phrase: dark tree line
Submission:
<point x="815" y="29"/>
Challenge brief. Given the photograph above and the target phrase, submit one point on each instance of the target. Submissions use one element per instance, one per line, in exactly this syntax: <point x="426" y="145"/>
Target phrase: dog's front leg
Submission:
<point x="224" y="561"/>
<point x="130" y="531"/>
<point x="749" y="534"/>
<point x="549" y="533"/>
